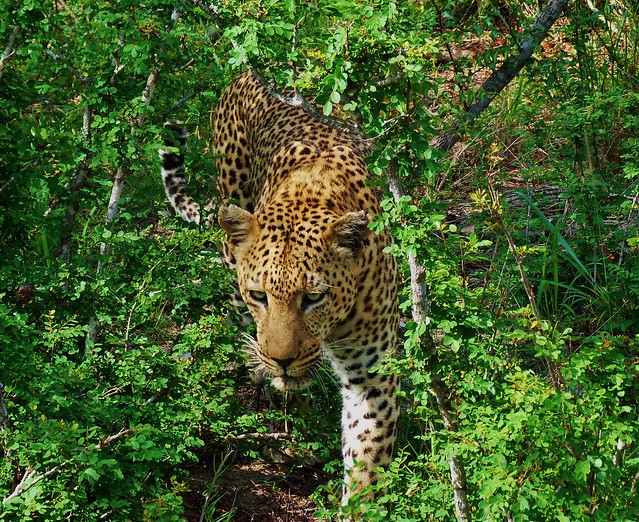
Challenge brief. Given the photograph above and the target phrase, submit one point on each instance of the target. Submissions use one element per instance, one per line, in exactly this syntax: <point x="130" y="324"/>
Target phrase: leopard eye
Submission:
<point x="311" y="299"/>
<point x="258" y="296"/>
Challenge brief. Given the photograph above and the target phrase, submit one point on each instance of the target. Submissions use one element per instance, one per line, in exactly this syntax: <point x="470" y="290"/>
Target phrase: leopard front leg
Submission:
<point x="369" y="423"/>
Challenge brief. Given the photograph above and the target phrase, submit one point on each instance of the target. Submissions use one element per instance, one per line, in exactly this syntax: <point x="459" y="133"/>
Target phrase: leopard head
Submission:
<point x="298" y="273"/>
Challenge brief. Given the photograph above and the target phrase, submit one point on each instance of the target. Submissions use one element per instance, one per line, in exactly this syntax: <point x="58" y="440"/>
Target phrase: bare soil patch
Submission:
<point x="254" y="491"/>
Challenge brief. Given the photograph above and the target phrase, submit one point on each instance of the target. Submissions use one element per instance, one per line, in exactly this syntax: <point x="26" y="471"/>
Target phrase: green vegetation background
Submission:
<point x="116" y="354"/>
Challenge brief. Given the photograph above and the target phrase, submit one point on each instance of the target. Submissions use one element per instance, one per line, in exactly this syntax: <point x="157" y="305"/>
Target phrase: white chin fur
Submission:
<point x="286" y="382"/>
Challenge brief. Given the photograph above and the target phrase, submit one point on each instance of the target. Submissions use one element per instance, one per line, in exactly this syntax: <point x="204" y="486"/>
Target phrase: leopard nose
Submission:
<point x="284" y="363"/>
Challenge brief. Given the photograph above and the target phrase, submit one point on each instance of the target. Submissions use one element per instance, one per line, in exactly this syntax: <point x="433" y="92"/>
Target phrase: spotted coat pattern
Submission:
<point x="296" y="212"/>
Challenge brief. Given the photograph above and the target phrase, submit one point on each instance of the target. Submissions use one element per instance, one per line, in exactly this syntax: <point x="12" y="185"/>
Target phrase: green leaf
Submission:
<point x="92" y="475"/>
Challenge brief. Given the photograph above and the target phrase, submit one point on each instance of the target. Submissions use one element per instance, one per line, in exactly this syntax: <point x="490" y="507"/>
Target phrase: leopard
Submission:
<point x="296" y="203"/>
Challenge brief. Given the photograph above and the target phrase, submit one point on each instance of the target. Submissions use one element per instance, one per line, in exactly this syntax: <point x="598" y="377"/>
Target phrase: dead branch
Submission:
<point x="262" y="437"/>
<point x="504" y="74"/>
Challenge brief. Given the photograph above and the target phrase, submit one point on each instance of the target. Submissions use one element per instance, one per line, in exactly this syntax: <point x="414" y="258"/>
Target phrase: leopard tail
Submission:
<point x="173" y="176"/>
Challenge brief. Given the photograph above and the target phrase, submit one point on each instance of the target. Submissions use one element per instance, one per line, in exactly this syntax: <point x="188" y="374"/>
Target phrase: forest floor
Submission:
<point x="251" y="490"/>
<point x="225" y="486"/>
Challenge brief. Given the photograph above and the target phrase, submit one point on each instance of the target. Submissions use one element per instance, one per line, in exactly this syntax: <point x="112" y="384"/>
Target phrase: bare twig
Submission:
<point x="504" y="74"/>
<point x="262" y="437"/>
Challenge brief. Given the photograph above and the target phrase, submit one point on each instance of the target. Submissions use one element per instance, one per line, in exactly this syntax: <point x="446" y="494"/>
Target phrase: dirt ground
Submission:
<point x="253" y="491"/>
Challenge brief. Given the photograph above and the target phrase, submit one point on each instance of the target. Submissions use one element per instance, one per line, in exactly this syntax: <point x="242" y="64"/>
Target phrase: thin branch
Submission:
<point x="297" y="100"/>
<point x="72" y="70"/>
<point x="619" y="452"/>
<point x="147" y="94"/>
<point x="418" y="288"/>
<point x="8" y="50"/>
<point x="112" y="211"/>
<point x="29" y="478"/>
<point x="4" y="414"/>
<point x="384" y="82"/>
<point x="116" y="190"/>
<point x="73" y="187"/>
<point x="496" y="213"/>
<point x="177" y="105"/>
<point x="443" y="395"/>
<point x="7" y="183"/>
<point x="212" y="12"/>
<point x="504" y="74"/>
<point x="262" y="437"/>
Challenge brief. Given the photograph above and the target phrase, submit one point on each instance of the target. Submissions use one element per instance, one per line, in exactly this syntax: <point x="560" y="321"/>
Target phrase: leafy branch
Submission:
<point x="31" y="478"/>
<point x="442" y="393"/>
<point x="504" y="74"/>
<point x="120" y="176"/>
<point x="297" y="100"/>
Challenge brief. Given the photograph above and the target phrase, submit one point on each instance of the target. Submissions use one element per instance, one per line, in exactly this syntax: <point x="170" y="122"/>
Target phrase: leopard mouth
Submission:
<point x="261" y="367"/>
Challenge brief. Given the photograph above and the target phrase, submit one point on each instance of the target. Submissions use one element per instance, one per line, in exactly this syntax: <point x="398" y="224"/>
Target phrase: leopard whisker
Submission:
<point x="335" y="345"/>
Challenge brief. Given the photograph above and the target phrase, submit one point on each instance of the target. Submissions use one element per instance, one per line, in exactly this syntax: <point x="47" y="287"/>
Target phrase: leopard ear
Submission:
<point x="239" y="224"/>
<point x="349" y="233"/>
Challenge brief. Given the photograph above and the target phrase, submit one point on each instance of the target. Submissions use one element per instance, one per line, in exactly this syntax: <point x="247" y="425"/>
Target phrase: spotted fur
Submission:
<point x="296" y="212"/>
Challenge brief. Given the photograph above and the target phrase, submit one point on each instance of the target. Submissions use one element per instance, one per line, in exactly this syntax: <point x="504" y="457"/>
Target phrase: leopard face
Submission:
<point x="299" y="282"/>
